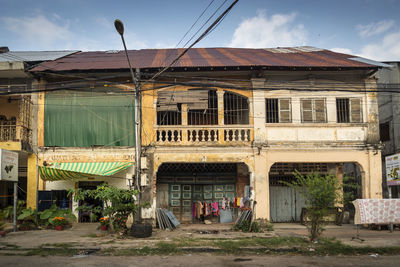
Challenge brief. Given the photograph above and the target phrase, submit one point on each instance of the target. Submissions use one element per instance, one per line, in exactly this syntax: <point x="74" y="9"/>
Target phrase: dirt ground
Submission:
<point x="201" y="260"/>
<point x="87" y="235"/>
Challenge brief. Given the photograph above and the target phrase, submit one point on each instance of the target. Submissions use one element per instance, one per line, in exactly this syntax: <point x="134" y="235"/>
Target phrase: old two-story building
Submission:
<point x="18" y="115"/>
<point x="389" y="123"/>
<point x="222" y="125"/>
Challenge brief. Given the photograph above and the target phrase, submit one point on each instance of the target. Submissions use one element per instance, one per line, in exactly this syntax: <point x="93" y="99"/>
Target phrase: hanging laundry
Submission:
<point x="215" y="209"/>
<point x="199" y="209"/>
<point x="241" y="202"/>
<point x="224" y="203"/>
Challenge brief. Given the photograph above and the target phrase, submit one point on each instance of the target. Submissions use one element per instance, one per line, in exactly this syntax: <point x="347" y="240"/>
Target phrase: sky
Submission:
<point x="367" y="28"/>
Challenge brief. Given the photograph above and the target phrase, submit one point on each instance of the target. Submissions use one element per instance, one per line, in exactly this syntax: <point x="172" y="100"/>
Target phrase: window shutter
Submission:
<point x="306" y="105"/>
<point x="284" y="110"/>
<point x="355" y="106"/>
<point x="319" y="106"/>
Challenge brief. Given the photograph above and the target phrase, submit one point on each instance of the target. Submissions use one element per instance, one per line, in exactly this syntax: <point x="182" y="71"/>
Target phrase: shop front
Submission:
<point x="60" y="177"/>
<point x="199" y="192"/>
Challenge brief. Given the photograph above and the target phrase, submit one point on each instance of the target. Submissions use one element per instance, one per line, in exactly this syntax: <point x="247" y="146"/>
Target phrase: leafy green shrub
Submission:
<point x="29" y="215"/>
<point x="245" y="227"/>
<point x="118" y="203"/>
<point x="45" y="218"/>
<point x="321" y="194"/>
<point x="8" y="212"/>
<point x="265" y="225"/>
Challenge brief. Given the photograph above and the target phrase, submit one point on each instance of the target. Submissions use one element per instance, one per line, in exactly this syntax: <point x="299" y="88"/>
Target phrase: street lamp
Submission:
<point x="119" y="26"/>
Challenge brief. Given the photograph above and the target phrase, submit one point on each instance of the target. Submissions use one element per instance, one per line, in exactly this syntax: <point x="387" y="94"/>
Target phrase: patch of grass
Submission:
<point x="160" y="249"/>
<point x="58" y="245"/>
<point x="52" y="252"/>
<point x="7" y="245"/>
<point x="335" y="247"/>
<point x="239" y="246"/>
<point x="54" y="249"/>
<point x="167" y="248"/>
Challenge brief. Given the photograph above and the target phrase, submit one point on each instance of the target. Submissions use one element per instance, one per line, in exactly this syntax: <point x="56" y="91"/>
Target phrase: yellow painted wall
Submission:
<point x="14" y="146"/>
<point x="40" y="118"/>
<point x="32" y="182"/>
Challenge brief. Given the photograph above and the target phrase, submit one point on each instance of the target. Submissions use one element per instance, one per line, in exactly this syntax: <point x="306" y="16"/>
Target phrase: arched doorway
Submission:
<point x="181" y="185"/>
<point x="286" y="203"/>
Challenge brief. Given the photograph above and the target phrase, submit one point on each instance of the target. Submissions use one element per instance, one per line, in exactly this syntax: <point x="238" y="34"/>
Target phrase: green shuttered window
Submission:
<point x="83" y="119"/>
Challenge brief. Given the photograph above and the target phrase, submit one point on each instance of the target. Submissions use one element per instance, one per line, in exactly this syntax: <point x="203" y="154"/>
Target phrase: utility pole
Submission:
<point x="119" y="26"/>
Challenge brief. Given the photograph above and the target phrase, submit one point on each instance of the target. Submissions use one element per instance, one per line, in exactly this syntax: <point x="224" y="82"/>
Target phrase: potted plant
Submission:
<point x="104" y="222"/>
<point x="59" y="223"/>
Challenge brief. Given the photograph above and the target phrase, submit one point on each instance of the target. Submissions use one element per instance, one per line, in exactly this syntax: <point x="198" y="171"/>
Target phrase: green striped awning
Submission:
<point x="76" y="170"/>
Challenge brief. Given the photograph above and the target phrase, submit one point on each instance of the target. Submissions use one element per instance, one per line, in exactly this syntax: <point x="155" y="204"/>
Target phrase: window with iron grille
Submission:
<point x="169" y="117"/>
<point x="278" y="110"/>
<point x="202" y="107"/>
<point x="348" y="110"/>
<point x="384" y="131"/>
<point x="236" y="109"/>
<point x="204" y="112"/>
<point x="313" y="110"/>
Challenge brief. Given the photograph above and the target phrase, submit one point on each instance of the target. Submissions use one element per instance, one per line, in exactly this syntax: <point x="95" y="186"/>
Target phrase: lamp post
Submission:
<point x="119" y="26"/>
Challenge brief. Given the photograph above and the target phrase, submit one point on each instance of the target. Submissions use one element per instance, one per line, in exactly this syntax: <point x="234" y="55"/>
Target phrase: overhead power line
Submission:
<point x="191" y="27"/>
<point x="197" y="40"/>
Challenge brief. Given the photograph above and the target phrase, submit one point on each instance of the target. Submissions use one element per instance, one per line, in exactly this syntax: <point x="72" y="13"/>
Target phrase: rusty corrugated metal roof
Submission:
<point x="31" y="56"/>
<point x="206" y="57"/>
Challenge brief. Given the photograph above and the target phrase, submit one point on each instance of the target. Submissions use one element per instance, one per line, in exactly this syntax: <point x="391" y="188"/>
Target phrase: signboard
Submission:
<point x="393" y="169"/>
<point x="8" y="165"/>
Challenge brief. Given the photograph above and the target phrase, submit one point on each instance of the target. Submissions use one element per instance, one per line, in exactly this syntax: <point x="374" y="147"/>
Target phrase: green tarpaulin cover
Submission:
<point x="76" y="170"/>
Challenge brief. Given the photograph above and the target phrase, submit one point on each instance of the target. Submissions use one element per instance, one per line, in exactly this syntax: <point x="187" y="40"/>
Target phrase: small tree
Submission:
<point x="118" y="203"/>
<point x="321" y="194"/>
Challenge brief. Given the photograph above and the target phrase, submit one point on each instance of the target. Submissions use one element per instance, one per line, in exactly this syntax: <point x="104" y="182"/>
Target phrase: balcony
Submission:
<point x="15" y="119"/>
<point x="210" y="135"/>
<point x="14" y="133"/>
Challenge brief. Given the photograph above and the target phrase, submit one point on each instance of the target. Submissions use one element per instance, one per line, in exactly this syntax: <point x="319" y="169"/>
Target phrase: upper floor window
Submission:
<point x="201" y="105"/>
<point x="278" y="110"/>
<point x="348" y="110"/>
<point x="236" y="109"/>
<point x="384" y="131"/>
<point x="313" y="110"/>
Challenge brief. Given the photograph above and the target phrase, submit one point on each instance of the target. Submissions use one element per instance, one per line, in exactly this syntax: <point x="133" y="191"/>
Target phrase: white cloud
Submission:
<point x="55" y="33"/>
<point x="37" y="30"/>
<point x="375" y="28"/>
<point x="386" y="50"/>
<point x="262" y="31"/>
<point x="342" y="50"/>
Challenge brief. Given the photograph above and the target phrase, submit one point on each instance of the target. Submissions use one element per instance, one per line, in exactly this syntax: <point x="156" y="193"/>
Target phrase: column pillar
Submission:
<point x="34" y="183"/>
<point x="261" y="184"/>
<point x="260" y="131"/>
<point x="221" y="121"/>
<point x="184" y="114"/>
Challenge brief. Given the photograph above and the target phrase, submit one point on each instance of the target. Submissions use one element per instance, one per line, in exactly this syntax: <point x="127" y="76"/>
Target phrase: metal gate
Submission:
<point x="286" y="204"/>
<point x="189" y="182"/>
